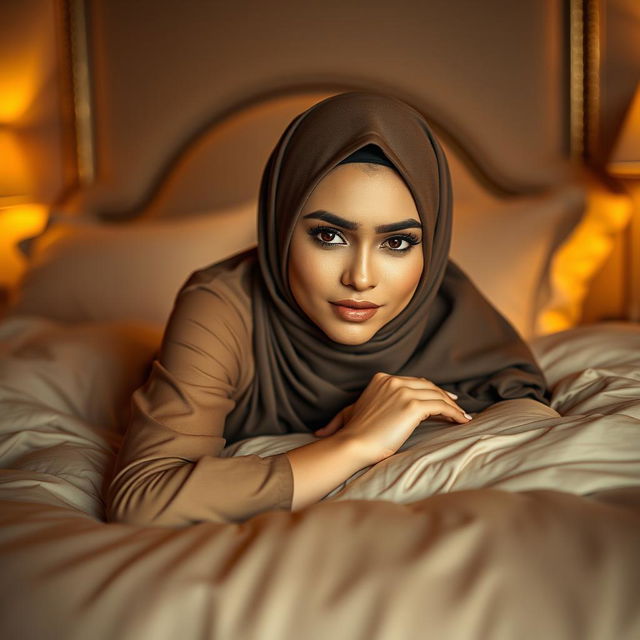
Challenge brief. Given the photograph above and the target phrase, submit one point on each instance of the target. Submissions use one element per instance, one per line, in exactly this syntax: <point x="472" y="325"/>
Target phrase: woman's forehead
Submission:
<point x="366" y="198"/>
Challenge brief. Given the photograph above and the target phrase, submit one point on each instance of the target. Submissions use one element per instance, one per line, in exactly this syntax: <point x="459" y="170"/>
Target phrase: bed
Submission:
<point x="522" y="524"/>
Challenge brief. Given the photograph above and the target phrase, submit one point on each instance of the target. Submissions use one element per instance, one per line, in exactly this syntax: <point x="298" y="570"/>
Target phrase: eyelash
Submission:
<point x="411" y="238"/>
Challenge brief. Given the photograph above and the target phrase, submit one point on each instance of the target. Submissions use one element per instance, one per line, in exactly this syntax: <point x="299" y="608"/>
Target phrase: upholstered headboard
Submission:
<point x="494" y="75"/>
<point x="177" y="108"/>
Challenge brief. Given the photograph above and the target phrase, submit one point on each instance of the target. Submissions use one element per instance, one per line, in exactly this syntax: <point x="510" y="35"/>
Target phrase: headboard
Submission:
<point x="177" y="109"/>
<point x="492" y="74"/>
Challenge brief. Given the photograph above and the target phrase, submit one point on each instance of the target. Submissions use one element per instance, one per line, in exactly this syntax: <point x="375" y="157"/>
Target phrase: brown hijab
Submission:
<point x="448" y="333"/>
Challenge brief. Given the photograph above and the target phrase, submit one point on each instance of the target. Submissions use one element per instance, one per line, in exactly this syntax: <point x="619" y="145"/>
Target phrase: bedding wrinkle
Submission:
<point x="514" y="445"/>
<point x="601" y="389"/>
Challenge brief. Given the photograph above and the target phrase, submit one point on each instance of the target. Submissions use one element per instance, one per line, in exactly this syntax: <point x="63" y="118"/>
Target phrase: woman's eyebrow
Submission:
<point x="332" y="218"/>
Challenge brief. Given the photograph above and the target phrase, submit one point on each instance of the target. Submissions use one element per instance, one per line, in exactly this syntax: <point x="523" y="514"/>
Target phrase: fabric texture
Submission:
<point x="139" y="266"/>
<point x="449" y="333"/>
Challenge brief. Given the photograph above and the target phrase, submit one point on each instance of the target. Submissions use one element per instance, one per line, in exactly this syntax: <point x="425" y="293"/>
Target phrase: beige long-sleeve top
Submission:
<point x="169" y="471"/>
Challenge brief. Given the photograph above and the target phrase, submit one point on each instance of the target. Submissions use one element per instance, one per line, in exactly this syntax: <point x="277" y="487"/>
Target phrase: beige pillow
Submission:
<point x="82" y="271"/>
<point x="506" y="247"/>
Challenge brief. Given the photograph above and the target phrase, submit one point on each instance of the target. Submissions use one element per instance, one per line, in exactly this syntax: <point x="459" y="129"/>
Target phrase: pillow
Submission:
<point x="506" y="247"/>
<point x="82" y="271"/>
<point x="601" y="345"/>
<point x="88" y="370"/>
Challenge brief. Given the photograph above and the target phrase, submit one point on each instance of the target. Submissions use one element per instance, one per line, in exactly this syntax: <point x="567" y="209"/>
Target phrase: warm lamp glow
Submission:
<point x="17" y="91"/>
<point x="17" y="223"/>
<point x="625" y="159"/>
<point x="28" y="38"/>
<point x="580" y="257"/>
<point x="15" y="177"/>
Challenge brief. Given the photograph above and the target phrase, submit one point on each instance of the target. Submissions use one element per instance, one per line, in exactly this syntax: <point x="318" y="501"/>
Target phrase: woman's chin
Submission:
<point x="358" y="335"/>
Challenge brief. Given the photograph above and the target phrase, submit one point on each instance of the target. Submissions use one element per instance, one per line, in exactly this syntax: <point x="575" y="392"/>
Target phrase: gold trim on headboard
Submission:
<point x="576" y="79"/>
<point x="592" y="75"/>
<point x="81" y="81"/>
<point x="584" y="62"/>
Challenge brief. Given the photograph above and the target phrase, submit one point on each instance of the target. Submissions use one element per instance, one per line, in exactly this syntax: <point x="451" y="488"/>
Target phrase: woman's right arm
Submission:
<point x="169" y="471"/>
<point x="320" y="466"/>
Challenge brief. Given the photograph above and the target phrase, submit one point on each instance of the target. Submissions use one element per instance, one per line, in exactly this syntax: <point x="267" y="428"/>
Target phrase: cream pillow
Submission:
<point x="81" y="271"/>
<point x="506" y="247"/>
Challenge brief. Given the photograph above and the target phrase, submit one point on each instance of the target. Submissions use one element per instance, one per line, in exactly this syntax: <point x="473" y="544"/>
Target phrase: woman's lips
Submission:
<point x="354" y="315"/>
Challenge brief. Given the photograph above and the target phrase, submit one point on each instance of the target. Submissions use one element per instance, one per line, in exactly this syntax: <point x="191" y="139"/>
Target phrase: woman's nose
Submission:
<point x="358" y="272"/>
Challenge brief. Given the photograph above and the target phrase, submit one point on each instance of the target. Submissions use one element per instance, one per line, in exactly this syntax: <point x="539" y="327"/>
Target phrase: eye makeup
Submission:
<point x="411" y="238"/>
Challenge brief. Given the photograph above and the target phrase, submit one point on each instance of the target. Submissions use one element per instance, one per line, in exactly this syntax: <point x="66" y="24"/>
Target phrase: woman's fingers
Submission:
<point x="424" y="384"/>
<point x="438" y="402"/>
<point x="431" y="402"/>
<point x="435" y="394"/>
<point x="439" y="407"/>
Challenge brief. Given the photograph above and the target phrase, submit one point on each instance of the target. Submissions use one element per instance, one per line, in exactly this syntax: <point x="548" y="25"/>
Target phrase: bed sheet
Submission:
<point x="523" y="523"/>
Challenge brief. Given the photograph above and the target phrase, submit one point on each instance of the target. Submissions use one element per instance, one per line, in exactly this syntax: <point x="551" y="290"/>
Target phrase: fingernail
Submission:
<point x="453" y="395"/>
<point x="468" y="416"/>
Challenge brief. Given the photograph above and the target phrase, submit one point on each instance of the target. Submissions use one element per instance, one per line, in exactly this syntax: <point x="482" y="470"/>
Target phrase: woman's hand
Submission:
<point x="389" y="409"/>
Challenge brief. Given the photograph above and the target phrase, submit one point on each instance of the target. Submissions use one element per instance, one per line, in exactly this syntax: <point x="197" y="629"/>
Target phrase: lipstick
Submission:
<point x="353" y="310"/>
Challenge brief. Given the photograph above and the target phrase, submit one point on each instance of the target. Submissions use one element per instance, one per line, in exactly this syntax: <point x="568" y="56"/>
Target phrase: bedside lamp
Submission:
<point x="624" y="165"/>
<point x="625" y="158"/>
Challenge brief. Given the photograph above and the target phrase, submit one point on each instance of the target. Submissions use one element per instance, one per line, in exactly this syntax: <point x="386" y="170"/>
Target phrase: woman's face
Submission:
<point x="341" y="252"/>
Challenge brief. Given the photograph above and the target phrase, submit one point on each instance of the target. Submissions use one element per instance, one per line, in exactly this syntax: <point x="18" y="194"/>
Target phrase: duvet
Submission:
<point x="524" y="523"/>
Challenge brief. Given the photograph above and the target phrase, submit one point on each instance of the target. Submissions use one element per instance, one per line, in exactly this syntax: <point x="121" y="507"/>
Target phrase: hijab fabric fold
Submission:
<point x="448" y="333"/>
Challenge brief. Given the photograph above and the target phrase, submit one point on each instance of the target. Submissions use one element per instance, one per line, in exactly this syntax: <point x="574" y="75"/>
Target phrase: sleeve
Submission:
<point x="168" y="471"/>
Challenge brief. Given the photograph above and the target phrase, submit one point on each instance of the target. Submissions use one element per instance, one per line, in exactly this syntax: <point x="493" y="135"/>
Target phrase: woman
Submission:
<point x="354" y="212"/>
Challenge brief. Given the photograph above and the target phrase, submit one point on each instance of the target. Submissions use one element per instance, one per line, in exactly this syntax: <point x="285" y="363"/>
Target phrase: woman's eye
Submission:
<point x="324" y="236"/>
<point x="328" y="236"/>
<point x="396" y="244"/>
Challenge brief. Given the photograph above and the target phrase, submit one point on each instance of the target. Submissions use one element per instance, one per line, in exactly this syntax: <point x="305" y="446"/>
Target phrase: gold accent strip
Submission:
<point x="576" y="79"/>
<point x="585" y="26"/>
<point x="81" y="80"/>
<point x="592" y="78"/>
